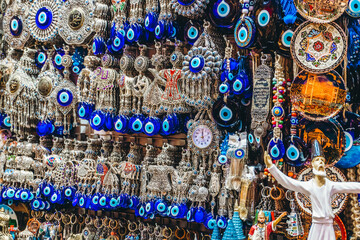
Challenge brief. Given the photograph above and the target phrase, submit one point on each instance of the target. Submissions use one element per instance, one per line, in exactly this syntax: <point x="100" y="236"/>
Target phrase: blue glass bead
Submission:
<point x="136" y="123"/>
<point x="191" y="214"/>
<point x="197" y="63"/>
<point x="40" y="58"/>
<point x="57" y="59"/>
<point x="225" y="13"/>
<point x="121" y="124"/>
<point x="98" y="46"/>
<point x="276" y="149"/>
<point x="192" y="31"/>
<point x="200" y="215"/>
<point x="97" y="120"/>
<point x="16" y="26"/>
<point x="221" y="222"/>
<point x="210" y="222"/>
<point x="43" y="18"/>
<point x="151" y="126"/>
<point x="151" y="21"/>
<point x="64" y="97"/>
<point x="160" y="29"/>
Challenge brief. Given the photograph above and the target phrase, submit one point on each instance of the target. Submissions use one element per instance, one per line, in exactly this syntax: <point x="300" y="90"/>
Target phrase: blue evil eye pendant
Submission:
<point x="113" y="202"/>
<point x="221" y="222"/>
<point x="44" y="17"/>
<point x="16" y="26"/>
<point x="353" y="9"/>
<point x="210" y="222"/>
<point x="276" y="149"/>
<point x="149" y="207"/>
<point x="40" y="58"/>
<point x="284" y="40"/>
<point x="109" y="122"/>
<point x="244" y="32"/>
<point x="150" y="21"/>
<point x="161" y="206"/>
<point x="69" y="193"/>
<point x="36" y="204"/>
<point x="6" y="121"/>
<point x="97" y="120"/>
<point x="65" y="97"/>
<point x="10" y="193"/>
<point x="98" y="46"/>
<point x="296" y="151"/>
<point x="48" y="190"/>
<point x="121" y="124"/>
<point x="192" y="31"/>
<point x="24" y="195"/>
<point x="57" y="58"/>
<point x="168" y="125"/>
<point x="17" y="194"/>
<point x="152" y="126"/>
<point x="44" y="128"/>
<point x="224" y="88"/>
<point x="136" y="123"/>
<point x="160" y="29"/>
<point x="116" y="44"/>
<point x="191" y="214"/>
<point x="175" y="211"/>
<point x="226" y="114"/>
<point x="103" y="201"/>
<point x="134" y="33"/>
<point x="84" y="110"/>
<point x="200" y="215"/>
<point x="225" y="13"/>
<point x="172" y="30"/>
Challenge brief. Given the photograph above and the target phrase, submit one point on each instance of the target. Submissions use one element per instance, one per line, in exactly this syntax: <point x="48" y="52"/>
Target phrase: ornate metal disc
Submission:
<point x="16" y="31"/>
<point x="338" y="201"/>
<point x="318" y="48"/>
<point x="76" y="20"/>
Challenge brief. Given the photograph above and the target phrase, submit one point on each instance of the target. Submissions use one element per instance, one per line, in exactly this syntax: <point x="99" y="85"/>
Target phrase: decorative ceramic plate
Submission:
<point x="318" y="96"/>
<point x="318" y="48"/>
<point x="321" y="11"/>
<point x="330" y="135"/>
<point x="338" y="201"/>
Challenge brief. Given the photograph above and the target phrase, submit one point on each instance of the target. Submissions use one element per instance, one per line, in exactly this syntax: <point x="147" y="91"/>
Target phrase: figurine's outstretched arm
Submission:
<point x="345" y="187"/>
<point x="285" y="181"/>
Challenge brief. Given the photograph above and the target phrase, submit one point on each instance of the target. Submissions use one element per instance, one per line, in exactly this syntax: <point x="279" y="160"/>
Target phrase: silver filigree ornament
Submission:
<point x="16" y="32"/>
<point x="76" y="21"/>
<point x="190" y="8"/>
<point x="43" y="19"/>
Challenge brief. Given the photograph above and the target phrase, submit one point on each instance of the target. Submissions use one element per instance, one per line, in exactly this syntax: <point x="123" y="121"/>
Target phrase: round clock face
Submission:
<point x="202" y="136"/>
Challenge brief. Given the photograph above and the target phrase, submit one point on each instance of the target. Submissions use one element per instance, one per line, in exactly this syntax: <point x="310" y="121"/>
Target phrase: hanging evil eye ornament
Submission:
<point x="189" y="8"/>
<point x="152" y="126"/>
<point x="6" y="121"/>
<point x="57" y="58"/>
<point x="78" y="60"/>
<point x="121" y="124"/>
<point x="192" y="31"/>
<point x="97" y="120"/>
<point x="136" y="123"/>
<point x="98" y="45"/>
<point x="353" y="9"/>
<point x="284" y="40"/>
<point x="40" y="58"/>
<point x="241" y="82"/>
<point x="296" y="152"/>
<point x="224" y="13"/>
<point x="85" y="110"/>
<point x="226" y="113"/>
<point x="244" y="32"/>
<point x="161" y="29"/>
<point x="150" y="21"/>
<point x="276" y="149"/>
<point x="170" y="124"/>
<point x="116" y="43"/>
<point x="16" y="31"/>
<point x="222" y="158"/>
<point x="265" y="19"/>
<point x="43" y="19"/>
<point x="172" y="30"/>
<point x="134" y="33"/>
<point x="44" y="128"/>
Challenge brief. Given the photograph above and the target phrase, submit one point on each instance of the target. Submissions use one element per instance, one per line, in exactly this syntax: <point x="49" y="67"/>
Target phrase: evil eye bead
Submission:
<point x="40" y="59"/>
<point x="296" y="152"/>
<point x="15" y="26"/>
<point x="224" y="88"/>
<point x="226" y="114"/>
<point x="64" y="97"/>
<point x="276" y="149"/>
<point x="6" y="123"/>
<point x="82" y="111"/>
<point x="120" y="124"/>
<point x="102" y="201"/>
<point x="142" y="211"/>
<point x="97" y="120"/>
<point x="10" y="193"/>
<point x="222" y="159"/>
<point x="349" y="141"/>
<point x="161" y="207"/>
<point x="24" y="195"/>
<point x="200" y="215"/>
<point x="197" y="63"/>
<point x="244" y="33"/>
<point x="95" y="200"/>
<point x="239" y="153"/>
<point x="113" y="202"/>
<point x="278" y="111"/>
<point x="44" y="18"/>
<point x="150" y="21"/>
<point x="160" y="30"/>
<point x="47" y="191"/>
<point x="117" y="43"/>
<point x="251" y="138"/>
<point x="36" y="204"/>
<point x="263" y="18"/>
<point x="151" y="126"/>
<point x="192" y="31"/>
<point x="221" y="222"/>
<point x="82" y="202"/>
<point x="175" y="211"/>
<point x="223" y="9"/>
<point x="98" y="46"/>
<point x="238" y="87"/>
<point x="54" y="198"/>
<point x="68" y="192"/>
<point x="353" y="8"/>
<point x="136" y="123"/>
<point x="286" y="38"/>
<point x="292" y="153"/>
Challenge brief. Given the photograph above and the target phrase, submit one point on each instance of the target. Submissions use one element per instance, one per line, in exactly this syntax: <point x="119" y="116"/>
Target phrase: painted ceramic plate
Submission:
<point x="329" y="133"/>
<point x="321" y="11"/>
<point x="318" y="48"/>
<point x="338" y="200"/>
<point x="318" y="96"/>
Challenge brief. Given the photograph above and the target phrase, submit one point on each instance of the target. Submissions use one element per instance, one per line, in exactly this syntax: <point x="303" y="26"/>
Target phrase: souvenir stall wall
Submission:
<point x="151" y="119"/>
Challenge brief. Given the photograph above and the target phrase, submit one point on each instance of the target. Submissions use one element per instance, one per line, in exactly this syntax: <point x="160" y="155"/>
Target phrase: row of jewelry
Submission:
<point x="70" y="226"/>
<point x="98" y="174"/>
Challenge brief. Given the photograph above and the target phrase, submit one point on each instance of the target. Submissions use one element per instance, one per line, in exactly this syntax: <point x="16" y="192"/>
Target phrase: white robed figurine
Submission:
<point x="319" y="189"/>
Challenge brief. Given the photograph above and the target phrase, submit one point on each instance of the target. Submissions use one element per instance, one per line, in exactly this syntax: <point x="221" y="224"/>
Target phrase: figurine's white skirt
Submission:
<point x="321" y="231"/>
